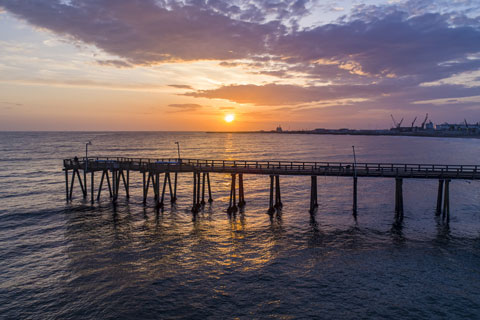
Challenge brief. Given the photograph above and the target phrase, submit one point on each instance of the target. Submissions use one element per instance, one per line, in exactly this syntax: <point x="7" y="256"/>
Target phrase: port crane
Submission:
<point x="413" y="122"/>
<point x="424" y="121"/>
<point x="395" y="123"/>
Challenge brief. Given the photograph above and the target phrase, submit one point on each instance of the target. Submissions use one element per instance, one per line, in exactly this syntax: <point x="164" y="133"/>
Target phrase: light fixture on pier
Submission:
<point x="178" y="148"/>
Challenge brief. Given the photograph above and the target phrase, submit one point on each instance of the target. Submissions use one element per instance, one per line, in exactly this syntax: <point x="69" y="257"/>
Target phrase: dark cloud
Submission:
<point x="395" y="45"/>
<point x="144" y="32"/>
<point x="376" y="41"/>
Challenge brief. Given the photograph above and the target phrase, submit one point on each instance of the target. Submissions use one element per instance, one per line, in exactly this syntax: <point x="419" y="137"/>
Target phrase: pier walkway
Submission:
<point x="151" y="169"/>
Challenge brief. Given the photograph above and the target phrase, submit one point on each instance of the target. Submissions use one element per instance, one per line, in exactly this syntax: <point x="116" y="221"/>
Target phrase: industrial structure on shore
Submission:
<point x="425" y="129"/>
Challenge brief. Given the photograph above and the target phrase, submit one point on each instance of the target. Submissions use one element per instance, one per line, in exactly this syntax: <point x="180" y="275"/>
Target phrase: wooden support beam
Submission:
<point x="278" y="196"/>
<point x="66" y="185"/>
<point x="198" y="190"/>
<point x="210" y="199"/>
<point x="85" y="180"/>
<point x="114" y="185"/>
<point x="92" y="187"/>
<point x="108" y="182"/>
<point x="241" y="193"/>
<point x="438" y="210"/>
<point x="101" y="185"/>
<point x="446" y="202"/>
<point x="230" y="198"/>
<point x="163" y="189"/>
<point x="398" y="199"/>
<point x="119" y="173"/>
<point x="170" y="187"/>
<point x="203" y="189"/>
<point x="313" y="194"/>
<point x="233" y="197"/>
<point x="126" y="183"/>
<point x="355" y="196"/>
<point x="271" y="208"/>
<point x="84" y="191"/>
<point x="194" y="204"/>
<point x="144" y="188"/>
<point x="149" y="177"/>
<point x="157" y="190"/>
<point x="71" y="185"/>
<point x="174" y="199"/>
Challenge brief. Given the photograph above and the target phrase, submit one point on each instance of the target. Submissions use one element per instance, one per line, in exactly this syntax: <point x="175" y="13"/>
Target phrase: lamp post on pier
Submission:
<point x="178" y="149"/>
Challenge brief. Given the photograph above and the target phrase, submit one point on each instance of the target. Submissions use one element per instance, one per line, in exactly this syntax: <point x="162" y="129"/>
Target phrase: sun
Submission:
<point x="229" y="118"/>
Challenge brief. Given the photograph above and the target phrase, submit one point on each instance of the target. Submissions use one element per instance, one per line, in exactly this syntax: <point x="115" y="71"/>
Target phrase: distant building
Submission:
<point x="429" y="126"/>
<point x="279" y="129"/>
<point x="462" y="127"/>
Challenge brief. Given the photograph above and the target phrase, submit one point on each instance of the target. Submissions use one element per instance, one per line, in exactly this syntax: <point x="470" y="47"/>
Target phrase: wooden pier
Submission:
<point x="116" y="172"/>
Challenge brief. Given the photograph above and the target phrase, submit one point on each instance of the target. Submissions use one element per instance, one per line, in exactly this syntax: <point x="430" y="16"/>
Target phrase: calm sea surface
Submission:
<point x="75" y="260"/>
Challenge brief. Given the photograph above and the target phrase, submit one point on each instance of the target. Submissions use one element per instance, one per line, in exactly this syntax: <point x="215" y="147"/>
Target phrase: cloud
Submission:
<point x="185" y="107"/>
<point x="114" y="63"/>
<point x="180" y="86"/>
<point x="144" y="32"/>
<point x="275" y="94"/>
<point x="11" y="104"/>
<point x="393" y="95"/>
<point x="374" y="41"/>
<point x="393" y="45"/>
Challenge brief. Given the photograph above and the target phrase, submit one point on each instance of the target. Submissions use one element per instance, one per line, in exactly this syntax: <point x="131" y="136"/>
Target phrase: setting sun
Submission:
<point x="229" y="118"/>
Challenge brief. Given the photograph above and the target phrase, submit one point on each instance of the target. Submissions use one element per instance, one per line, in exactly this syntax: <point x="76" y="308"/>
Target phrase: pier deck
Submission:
<point x="151" y="169"/>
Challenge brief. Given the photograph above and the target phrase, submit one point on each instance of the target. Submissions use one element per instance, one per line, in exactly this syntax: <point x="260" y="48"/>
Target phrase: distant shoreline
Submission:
<point x="445" y="134"/>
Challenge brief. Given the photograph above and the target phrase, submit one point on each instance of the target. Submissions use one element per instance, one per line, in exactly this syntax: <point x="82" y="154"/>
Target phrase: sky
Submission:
<point x="186" y="65"/>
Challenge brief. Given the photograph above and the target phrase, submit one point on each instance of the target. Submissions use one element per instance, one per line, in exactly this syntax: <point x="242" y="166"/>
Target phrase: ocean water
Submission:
<point x="75" y="260"/>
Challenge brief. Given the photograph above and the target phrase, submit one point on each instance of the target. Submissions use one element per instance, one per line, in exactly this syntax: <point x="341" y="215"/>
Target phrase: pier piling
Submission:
<point x="232" y="207"/>
<point x="203" y="189"/>
<point x="241" y="194"/>
<point x="92" y="188"/>
<point x="355" y="197"/>
<point x="170" y="187"/>
<point x="398" y="199"/>
<point x="271" y="208"/>
<point x="313" y="194"/>
<point x="209" y="188"/>
<point x="144" y="184"/>
<point x="446" y="202"/>
<point x="165" y="178"/>
<point x="66" y="185"/>
<point x="198" y="191"/>
<point x="194" y="204"/>
<point x="174" y="198"/>
<point x="278" y="196"/>
<point x="438" y="211"/>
